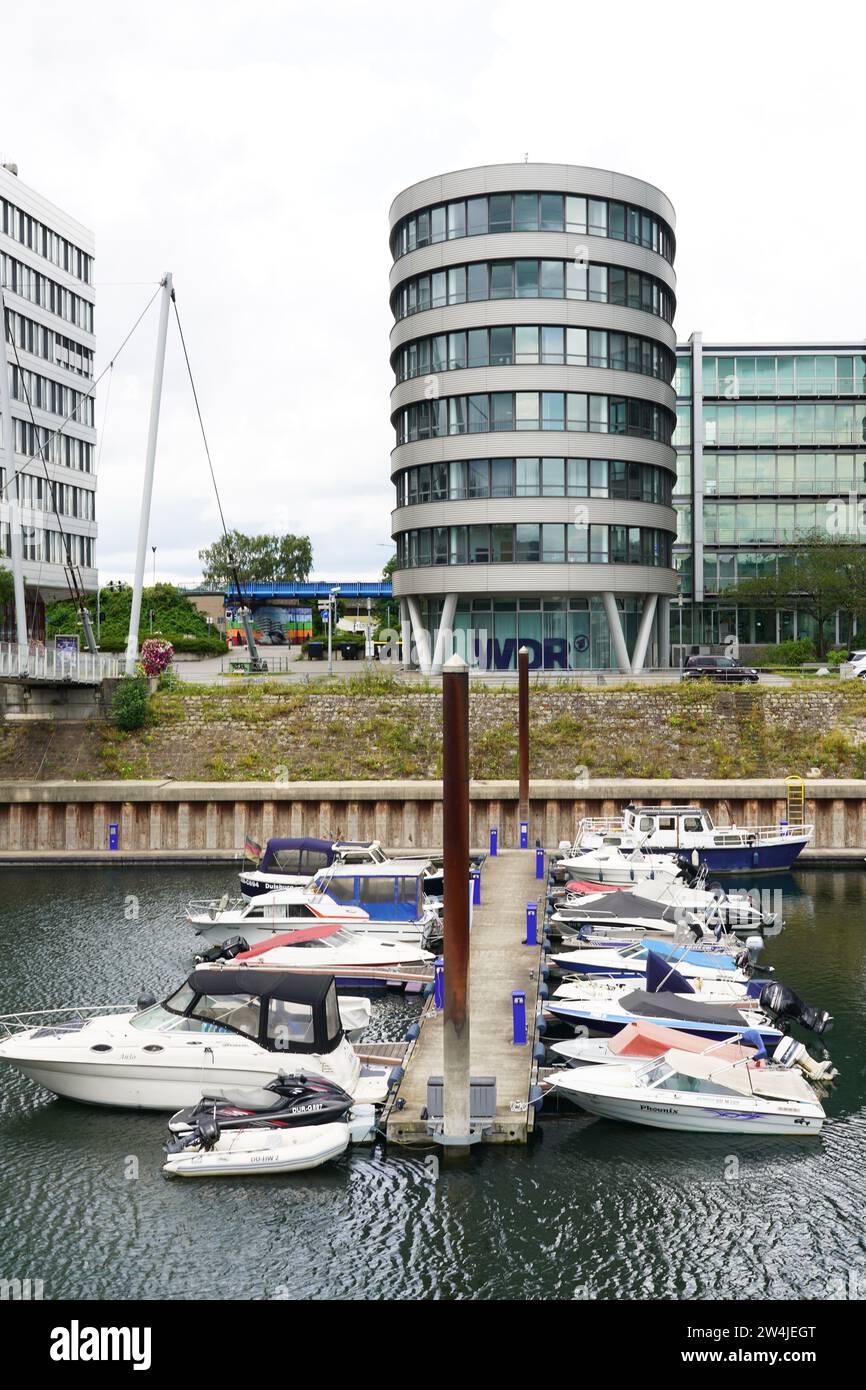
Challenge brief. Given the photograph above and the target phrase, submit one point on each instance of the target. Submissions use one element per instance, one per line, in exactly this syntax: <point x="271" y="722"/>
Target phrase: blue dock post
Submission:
<point x="532" y="924"/>
<point x="518" y="1007"/>
<point x="494" y="842"/>
<point x="439" y="982"/>
<point x="539" y="863"/>
<point x="475" y="875"/>
<point x="524" y="834"/>
<point x="113" y="836"/>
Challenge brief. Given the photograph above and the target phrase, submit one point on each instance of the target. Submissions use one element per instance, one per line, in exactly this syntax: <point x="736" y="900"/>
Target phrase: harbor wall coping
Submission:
<point x="671" y="790"/>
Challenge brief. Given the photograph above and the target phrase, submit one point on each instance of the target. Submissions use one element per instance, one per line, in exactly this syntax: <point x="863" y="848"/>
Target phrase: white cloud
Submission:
<point x="254" y="150"/>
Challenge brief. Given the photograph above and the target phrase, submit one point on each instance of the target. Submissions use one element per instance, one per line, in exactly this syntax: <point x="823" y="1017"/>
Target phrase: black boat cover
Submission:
<point x="693" y="1009"/>
<point x="262" y="982"/>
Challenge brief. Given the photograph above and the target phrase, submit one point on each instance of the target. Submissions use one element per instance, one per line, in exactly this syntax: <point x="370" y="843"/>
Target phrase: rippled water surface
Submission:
<point x="590" y="1209"/>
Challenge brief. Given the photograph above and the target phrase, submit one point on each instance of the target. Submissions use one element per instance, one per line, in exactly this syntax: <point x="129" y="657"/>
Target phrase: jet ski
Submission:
<point x="287" y="1101"/>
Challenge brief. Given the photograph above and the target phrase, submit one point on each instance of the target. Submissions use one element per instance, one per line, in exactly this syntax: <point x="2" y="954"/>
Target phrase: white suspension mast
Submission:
<point x="13" y="494"/>
<point x="147" y="487"/>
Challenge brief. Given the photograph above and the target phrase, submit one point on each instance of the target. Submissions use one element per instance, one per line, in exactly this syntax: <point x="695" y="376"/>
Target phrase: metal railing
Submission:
<point x="723" y="834"/>
<point x="11" y="1024"/>
<point x="48" y="664"/>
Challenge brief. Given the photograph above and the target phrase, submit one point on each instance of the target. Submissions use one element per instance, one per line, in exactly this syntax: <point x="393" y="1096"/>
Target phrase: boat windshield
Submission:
<point x="240" y="1012"/>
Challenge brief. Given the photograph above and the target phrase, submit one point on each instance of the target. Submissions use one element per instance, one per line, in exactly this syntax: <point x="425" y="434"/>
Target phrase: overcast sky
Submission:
<point x="254" y="149"/>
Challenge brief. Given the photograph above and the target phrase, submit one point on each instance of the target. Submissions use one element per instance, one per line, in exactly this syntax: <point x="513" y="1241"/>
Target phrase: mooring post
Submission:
<point x="532" y="924"/>
<point x="518" y="1010"/>
<point x="455" y="817"/>
<point x="523" y="744"/>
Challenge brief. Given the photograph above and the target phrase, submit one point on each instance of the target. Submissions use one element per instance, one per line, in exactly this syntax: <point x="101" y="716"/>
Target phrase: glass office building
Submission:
<point x="771" y="446"/>
<point x="533" y="410"/>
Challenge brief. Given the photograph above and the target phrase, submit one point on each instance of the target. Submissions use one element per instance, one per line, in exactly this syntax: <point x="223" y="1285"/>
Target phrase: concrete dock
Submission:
<point x="499" y="962"/>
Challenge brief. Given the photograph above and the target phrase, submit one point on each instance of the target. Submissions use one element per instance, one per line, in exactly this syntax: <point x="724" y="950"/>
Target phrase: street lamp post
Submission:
<point x="332" y="611"/>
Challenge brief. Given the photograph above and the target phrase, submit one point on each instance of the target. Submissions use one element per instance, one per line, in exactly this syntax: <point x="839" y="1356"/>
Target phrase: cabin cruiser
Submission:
<point x="607" y="863"/>
<point x="630" y="962"/>
<point x="673" y="1002"/>
<point x="641" y="1040"/>
<point x="225" y="1027"/>
<point x="386" y="906"/>
<point x="698" y="1092"/>
<point x="690" y="833"/>
<point x="344" y="953"/>
<point x="292" y="862"/>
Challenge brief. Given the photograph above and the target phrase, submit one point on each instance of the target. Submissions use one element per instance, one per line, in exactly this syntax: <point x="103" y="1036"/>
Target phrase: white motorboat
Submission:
<point x="661" y="908"/>
<point x="272" y="914"/>
<point x="699" y="1093"/>
<point x="242" y="1152"/>
<point x="609" y="864"/>
<point x="226" y="1027"/>
<point x="598" y="987"/>
<point x="630" y="962"/>
<point x="292" y="862"/>
<point x="639" y="1042"/>
<point x="349" y="957"/>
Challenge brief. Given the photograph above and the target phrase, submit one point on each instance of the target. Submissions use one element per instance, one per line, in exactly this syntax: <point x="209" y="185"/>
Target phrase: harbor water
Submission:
<point x="589" y="1210"/>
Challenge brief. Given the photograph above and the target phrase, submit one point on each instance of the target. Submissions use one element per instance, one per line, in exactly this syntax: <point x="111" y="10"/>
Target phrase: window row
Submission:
<point x="44" y="496"/>
<point x="723" y="571"/>
<point x="49" y="547"/>
<point x="803" y="375"/>
<point x="42" y="393"/>
<point x="43" y="342"/>
<point x="528" y="345"/>
<point x="30" y="232"/>
<point x="784" y="473"/>
<point x="39" y="289"/>
<point x="63" y="449"/>
<point x="531" y="542"/>
<point x="776" y="523"/>
<point x="532" y="212"/>
<point x="533" y="477"/>
<point x="532" y="410"/>
<point x="785" y="424"/>
<point x="531" y="279"/>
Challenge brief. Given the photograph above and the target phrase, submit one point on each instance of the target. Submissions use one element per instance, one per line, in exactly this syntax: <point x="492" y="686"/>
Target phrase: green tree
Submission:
<point x="821" y="575"/>
<point x="264" y="559"/>
<point x="7" y="587"/>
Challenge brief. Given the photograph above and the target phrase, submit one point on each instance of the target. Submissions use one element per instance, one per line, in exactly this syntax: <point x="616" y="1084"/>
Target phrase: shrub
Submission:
<point x="156" y="655"/>
<point x="129" y="706"/>
<point x="792" y="653"/>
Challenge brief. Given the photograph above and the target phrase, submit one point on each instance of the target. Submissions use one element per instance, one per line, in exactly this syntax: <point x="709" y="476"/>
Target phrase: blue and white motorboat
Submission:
<point x="671" y="1001"/>
<point x="291" y="862"/>
<point x="689" y="833"/>
<point x="630" y="962"/>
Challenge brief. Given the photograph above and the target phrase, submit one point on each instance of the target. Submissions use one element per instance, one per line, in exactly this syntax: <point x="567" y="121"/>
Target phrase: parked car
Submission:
<point x="858" y="661"/>
<point x="719" y="668"/>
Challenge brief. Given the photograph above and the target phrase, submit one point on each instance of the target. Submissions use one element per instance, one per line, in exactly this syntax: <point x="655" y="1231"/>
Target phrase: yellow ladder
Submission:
<point x="795" y="800"/>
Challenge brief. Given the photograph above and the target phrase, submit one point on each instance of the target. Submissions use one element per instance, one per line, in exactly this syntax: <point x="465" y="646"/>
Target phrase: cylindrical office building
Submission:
<point x="533" y="351"/>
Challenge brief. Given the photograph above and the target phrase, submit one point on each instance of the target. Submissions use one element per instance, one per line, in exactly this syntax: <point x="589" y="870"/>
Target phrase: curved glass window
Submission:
<point x="534" y="477"/>
<point x="534" y="542"/>
<point x="533" y="279"/>
<point x="532" y="212"/>
<point x="531" y="345"/>
<point x="485" y="411"/>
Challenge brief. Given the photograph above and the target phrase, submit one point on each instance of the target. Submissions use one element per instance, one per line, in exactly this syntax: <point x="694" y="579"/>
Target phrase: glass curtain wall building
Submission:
<point x="533" y="409"/>
<point x="46" y="271"/>
<point x="771" y="445"/>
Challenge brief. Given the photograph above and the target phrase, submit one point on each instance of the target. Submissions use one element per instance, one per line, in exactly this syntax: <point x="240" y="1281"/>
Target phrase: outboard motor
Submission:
<point x="231" y="947"/>
<point x="785" y="1005"/>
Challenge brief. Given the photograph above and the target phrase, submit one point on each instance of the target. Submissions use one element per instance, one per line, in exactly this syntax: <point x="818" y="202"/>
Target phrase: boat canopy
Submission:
<point x="746" y="1081"/>
<point x="691" y="1009"/>
<point x="280" y="1010"/>
<point x="296" y="856"/>
<point x="385" y="895"/>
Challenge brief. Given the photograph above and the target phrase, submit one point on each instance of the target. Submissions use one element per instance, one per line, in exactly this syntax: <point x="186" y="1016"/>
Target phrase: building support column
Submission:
<point x="643" y="632"/>
<point x="445" y="636"/>
<point x="405" y="636"/>
<point x="421" y="636"/>
<point x="664" y="631"/>
<point x="616" y="633"/>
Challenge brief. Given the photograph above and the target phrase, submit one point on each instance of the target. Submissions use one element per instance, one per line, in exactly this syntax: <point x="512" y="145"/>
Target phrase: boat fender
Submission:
<point x="395" y="1076"/>
<point x="540" y="1026"/>
<point x="755" y="859"/>
<point x="145" y="1001"/>
<point x="411" y="1032"/>
<point x="536" y="1097"/>
<point x="546" y="946"/>
<point x="538" y="1052"/>
<point x="545" y="972"/>
<point x="543" y="992"/>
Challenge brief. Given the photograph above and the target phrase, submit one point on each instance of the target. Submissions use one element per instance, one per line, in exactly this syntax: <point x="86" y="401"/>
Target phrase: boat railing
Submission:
<point x="760" y="834"/>
<point x="57" y="1018"/>
<point x="198" y="906"/>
